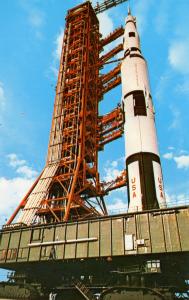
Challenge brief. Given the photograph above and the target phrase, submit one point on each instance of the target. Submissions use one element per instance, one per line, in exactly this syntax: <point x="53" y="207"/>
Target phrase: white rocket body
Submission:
<point x="145" y="182"/>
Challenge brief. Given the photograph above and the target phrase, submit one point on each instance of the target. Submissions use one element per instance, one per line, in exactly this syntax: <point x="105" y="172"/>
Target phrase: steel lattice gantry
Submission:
<point x="73" y="137"/>
<point x="69" y="186"/>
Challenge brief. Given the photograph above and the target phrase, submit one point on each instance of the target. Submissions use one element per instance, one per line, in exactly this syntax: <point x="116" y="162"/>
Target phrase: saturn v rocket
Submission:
<point x="145" y="182"/>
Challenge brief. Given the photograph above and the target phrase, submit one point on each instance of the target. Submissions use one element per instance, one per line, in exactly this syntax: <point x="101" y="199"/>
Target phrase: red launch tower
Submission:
<point x="61" y="227"/>
<point x="69" y="187"/>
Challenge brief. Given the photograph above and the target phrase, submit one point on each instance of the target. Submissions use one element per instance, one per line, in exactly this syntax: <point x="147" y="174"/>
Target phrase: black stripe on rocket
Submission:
<point x="147" y="181"/>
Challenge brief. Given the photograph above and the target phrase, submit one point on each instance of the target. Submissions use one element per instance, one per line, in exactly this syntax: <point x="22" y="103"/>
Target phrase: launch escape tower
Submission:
<point x="62" y="225"/>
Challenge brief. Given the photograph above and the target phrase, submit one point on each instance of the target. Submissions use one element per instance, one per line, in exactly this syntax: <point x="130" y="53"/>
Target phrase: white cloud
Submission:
<point x="179" y="48"/>
<point x="11" y="193"/>
<point x="111" y="174"/>
<point x="182" y="161"/>
<point x="178" y="55"/>
<point x="26" y="172"/>
<point x="57" y="52"/>
<point x="183" y="87"/>
<point x="117" y="205"/>
<point x="20" y="165"/>
<point x="162" y="18"/>
<point x="162" y="85"/>
<point x="182" y="151"/>
<point x="176" y="199"/>
<point x="2" y="96"/>
<point x="111" y="171"/>
<point x="54" y="70"/>
<point x="114" y="163"/>
<point x="142" y="9"/>
<point x="14" y="161"/>
<point x="106" y="23"/>
<point x="176" y="118"/>
<point x="58" y="44"/>
<point x="36" y="18"/>
<point x="161" y="21"/>
<point x="12" y="190"/>
<point x="182" y="199"/>
<point x="168" y="155"/>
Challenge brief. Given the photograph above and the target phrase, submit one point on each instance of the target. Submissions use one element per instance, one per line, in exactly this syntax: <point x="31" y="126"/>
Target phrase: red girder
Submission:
<point x="111" y="137"/>
<point x="110" y="127"/>
<point x="112" y="36"/>
<point x="104" y="58"/>
<point x="110" y="75"/>
<point x="112" y="84"/>
<point x="118" y="182"/>
<point x="115" y="114"/>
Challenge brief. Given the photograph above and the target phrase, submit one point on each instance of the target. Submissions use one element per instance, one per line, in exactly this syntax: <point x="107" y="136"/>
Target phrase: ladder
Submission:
<point x="84" y="290"/>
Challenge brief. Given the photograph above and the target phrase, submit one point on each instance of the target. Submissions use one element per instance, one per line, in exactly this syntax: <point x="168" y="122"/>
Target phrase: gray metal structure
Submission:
<point x="144" y="254"/>
<point x="99" y="8"/>
<point x="145" y="233"/>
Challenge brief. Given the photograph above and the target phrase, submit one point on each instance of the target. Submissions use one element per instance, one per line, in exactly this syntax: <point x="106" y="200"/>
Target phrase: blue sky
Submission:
<point x="31" y="34"/>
